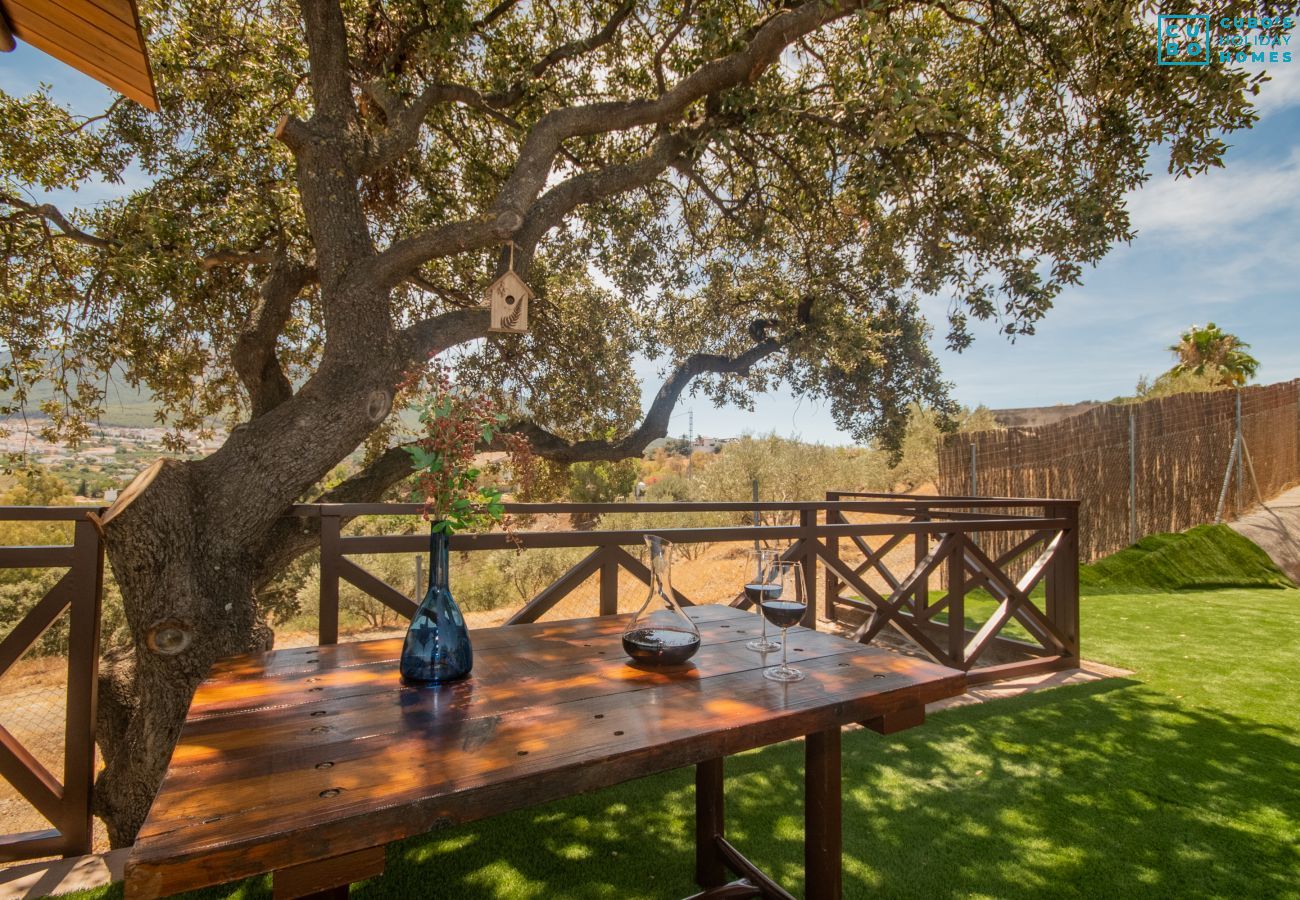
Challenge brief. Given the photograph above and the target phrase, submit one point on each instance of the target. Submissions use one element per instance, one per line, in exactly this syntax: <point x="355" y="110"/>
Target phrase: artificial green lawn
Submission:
<point x="1180" y="781"/>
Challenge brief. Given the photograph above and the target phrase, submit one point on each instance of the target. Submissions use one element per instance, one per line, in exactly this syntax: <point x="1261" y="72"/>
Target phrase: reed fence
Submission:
<point x="1142" y="468"/>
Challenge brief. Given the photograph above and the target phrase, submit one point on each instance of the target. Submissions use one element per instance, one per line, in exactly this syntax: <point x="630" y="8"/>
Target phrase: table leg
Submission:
<point x="710" y="823"/>
<point x="823" y="863"/>
<point x="334" y="893"/>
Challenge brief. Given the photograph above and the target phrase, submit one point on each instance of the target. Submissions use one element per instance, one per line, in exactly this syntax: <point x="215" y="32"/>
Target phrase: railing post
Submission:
<point x="957" y="601"/>
<point x="808" y="526"/>
<point x="920" y="550"/>
<point x="331" y="548"/>
<point x="83" y="681"/>
<point x="832" y="585"/>
<point x="609" y="585"/>
<point x="1062" y="580"/>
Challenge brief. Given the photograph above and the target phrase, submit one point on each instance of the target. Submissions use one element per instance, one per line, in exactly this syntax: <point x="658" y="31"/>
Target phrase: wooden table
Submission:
<point x="307" y="762"/>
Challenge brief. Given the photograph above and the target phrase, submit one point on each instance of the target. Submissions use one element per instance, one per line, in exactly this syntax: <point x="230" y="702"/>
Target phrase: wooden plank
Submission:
<point x="373" y="709"/>
<point x="90" y="23"/>
<point x="956" y="598"/>
<point x="558" y="589"/>
<point x="608" y="584"/>
<point x="315" y="660"/>
<point x="335" y="872"/>
<point x="37" y="621"/>
<point x="380" y="590"/>
<point x="766" y="888"/>
<point x="1022" y="669"/>
<point x="46" y="513"/>
<point x="40" y="557"/>
<point x="31" y="845"/>
<point x="900" y="720"/>
<point x="97" y="57"/>
<point x="628" y="538"/>
<point x="31" y="779"/>
<point x="78" y="47"/>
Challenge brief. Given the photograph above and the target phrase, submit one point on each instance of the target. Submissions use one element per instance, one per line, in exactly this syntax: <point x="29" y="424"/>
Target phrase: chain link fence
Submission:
<point x="1141" y="468"/>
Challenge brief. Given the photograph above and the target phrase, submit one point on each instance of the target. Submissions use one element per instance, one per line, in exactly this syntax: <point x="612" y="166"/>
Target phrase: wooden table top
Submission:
<point x="303" y="754"/>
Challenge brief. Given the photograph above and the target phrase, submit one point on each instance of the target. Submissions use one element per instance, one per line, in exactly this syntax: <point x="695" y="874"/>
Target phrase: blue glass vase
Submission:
<point x="437" y="648"/>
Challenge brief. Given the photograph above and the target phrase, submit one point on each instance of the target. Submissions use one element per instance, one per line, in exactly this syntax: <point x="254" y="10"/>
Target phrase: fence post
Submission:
<point x="608" y="584"/>
<point x="331" y="547"/>
<point x="1240" y="469"/>
<point x="1062" y="581"/>
<point x="808" y="526"/>
<point x="957" y="601"/>
<point x="920" y="550"/>
<point x="1132" y="478"/>
<point x="974" y="455"/>
<point x="83" y="681"/>
<point x="832" y="585"/>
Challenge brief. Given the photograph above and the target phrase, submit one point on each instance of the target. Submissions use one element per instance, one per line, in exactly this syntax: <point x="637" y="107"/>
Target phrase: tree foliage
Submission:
<point x="687" y="181"/>
<point x="1209" y="352"/>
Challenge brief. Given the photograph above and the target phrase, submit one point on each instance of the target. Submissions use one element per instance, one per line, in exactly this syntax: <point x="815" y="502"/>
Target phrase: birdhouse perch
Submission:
<point x="508" y="297"/>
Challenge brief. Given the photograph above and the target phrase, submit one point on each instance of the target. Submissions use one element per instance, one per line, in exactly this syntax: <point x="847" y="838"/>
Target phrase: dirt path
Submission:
<point x="1276" y="529"/>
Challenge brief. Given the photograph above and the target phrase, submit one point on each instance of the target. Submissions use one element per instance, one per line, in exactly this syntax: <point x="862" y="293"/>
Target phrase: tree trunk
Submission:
<point x="188" y="544"/>
<point x="188" y="594"/>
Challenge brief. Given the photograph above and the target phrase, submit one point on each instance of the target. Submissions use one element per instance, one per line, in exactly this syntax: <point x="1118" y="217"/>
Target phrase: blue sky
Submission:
<point x="1223" y="247"/>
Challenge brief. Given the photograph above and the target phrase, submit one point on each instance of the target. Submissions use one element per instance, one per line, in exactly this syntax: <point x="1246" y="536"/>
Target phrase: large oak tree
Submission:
<point x="751" y="192"/>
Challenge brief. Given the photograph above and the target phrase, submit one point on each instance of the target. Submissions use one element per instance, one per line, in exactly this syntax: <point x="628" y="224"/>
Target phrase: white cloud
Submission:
<point x="1281" y="90"/>
<point x="1217" y="202"/>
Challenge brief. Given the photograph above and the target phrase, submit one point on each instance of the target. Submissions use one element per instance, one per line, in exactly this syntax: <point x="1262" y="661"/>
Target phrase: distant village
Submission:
<point x="102" y="465"/>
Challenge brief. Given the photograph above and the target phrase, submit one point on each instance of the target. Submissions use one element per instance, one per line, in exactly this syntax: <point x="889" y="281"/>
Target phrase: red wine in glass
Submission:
<point x="761" y="593"/>
<point x="783" y="613"/>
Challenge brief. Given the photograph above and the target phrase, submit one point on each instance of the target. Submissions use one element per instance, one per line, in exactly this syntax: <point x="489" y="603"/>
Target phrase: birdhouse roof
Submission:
<point x="511" y="283"/>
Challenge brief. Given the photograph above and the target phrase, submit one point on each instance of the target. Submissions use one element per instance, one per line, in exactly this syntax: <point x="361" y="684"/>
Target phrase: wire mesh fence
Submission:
<point x="1142" y="468"/>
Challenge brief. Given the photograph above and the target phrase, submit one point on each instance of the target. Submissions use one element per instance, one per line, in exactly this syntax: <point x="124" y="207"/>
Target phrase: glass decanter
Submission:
<point x="660" y="634"/>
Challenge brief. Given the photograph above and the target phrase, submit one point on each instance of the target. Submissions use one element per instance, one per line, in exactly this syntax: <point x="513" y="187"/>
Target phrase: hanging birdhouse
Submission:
<point x="508" y="298"/>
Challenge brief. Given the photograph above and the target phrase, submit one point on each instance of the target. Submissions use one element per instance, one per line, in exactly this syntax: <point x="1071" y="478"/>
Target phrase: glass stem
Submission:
<point x="785" y="652"/>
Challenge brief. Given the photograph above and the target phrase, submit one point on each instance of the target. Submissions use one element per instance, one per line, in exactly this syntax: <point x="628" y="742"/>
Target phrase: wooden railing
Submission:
<point x="63" y="801"/>
<point x="926" y="605"/>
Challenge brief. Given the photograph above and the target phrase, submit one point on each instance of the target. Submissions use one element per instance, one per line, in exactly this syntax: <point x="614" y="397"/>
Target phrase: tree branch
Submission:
<point x="293" y="537"/>
<point x="253" y="356"/>
<point x="655" y="423"/>
<point x="430" y="337"/>
<point x="543" y="143"/>
<point x="51" y="214"/>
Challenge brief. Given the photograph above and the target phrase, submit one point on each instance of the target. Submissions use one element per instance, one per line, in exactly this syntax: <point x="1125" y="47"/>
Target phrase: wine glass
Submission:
<point x="762" y="580"/>
<point x="785" y="609"/>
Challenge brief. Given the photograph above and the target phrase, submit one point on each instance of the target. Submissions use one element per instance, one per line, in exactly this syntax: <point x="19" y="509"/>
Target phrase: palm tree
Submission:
<point x="1211" y="350"/>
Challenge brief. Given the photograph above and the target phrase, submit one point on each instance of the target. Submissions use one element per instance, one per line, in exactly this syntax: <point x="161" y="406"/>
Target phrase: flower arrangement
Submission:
<point x="455" y="426"/>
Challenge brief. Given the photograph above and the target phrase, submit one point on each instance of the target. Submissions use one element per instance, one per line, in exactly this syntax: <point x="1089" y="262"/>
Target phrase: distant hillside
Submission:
<point x="124" y="406"/>
<point x="1031" y="416"/>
